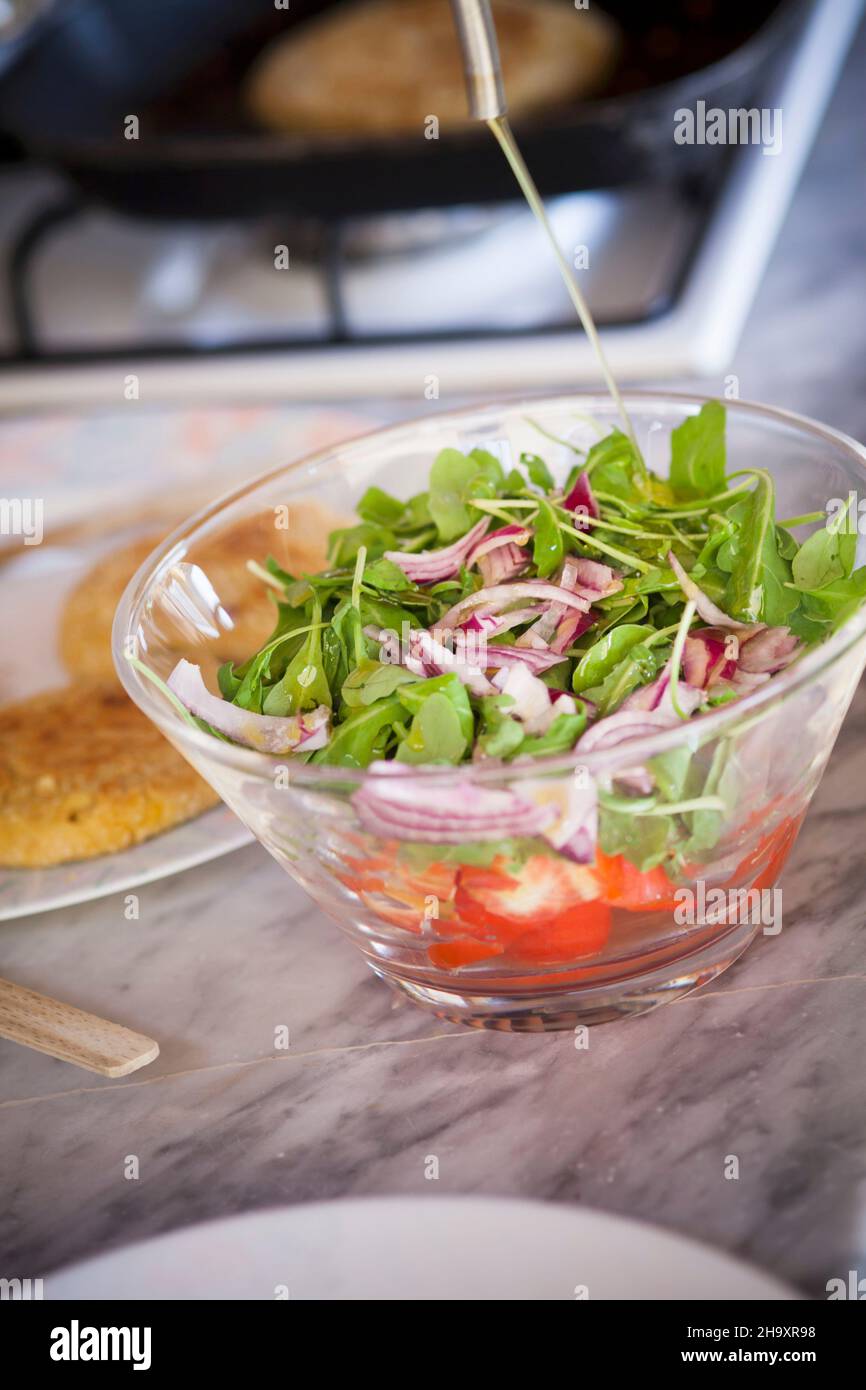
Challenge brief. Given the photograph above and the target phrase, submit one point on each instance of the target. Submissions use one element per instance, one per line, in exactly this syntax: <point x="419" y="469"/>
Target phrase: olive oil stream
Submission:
<point x="505" y="137"/>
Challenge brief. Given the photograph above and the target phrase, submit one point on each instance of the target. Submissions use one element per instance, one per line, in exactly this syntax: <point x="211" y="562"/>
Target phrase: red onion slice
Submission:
<point x="657" y="697"/>
<point x="268" y="733"/>
<point x="430" y="566"/>
<point x="706" y="659"/>
<point x="533" y="660"/>
<point x="503" y="564"/>
<point x="498" y="596"/>
<point x="622" y="727"/>
<point x="769" y="650"/>
<point x="532" y="703"/>
<point x="589" y="577"/>
<point x="709" y="611"/>
<point x="506" y="535"/>
<point x="581" y="501"/>
<point x="492" y="624"/>
<point x="569" y="628"/>
<point x="397" y="802"/>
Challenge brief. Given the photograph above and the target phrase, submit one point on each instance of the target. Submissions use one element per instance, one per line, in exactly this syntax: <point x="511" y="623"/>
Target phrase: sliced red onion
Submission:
<point x="268" y="733"/>
<point x="499" y="596"/>
<point x="589" y="577"/>
<point x="558" y="627"/>
<point x="492" y="624"/>
<point x="657" y="697"/>
<point x="534" y="661"/>
<point x="645" y="712"/>
<point x="622" y="727"/>
<point x="430" y="566"/>
<point x="503" y="564"/>
<point x="439" y="661"/>
<point x="709" y="611"/>
<point x="706" y="659"/>
<point x="506" y="535"/>
<point x="394" y="652"/>
<point x="398" y="803"/>
<point x="581" y="501"/>
<point x="768" y="651"/>
<point x="569" y="628"/>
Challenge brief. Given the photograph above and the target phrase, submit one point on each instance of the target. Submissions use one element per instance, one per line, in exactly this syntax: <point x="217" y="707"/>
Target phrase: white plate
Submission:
<point x="25" y="891"/>
<point x="90" y="469"/>
<point x="398" y="1248"/>
<point x="33" y="589"/>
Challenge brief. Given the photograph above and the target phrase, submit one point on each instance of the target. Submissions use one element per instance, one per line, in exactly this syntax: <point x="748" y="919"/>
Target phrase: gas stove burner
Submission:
<point x="465" y="295"/>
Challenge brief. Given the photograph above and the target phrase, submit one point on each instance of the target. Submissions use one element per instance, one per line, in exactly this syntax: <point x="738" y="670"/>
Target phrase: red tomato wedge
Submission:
<point x="774" y="849"/>
<point x="451" y="955"/>
<point x="549" y="911"/>
<point x="625" y="886"/>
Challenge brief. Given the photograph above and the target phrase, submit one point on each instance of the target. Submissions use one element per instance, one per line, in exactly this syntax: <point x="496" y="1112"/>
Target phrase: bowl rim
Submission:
<point x="693" y="733"/>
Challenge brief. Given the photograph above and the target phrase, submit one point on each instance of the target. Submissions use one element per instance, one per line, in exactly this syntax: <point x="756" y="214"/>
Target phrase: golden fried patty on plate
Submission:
<point x="83" y="773"/>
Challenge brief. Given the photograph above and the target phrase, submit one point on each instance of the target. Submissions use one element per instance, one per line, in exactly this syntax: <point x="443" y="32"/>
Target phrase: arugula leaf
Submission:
<point x="374" y="680"/>
<point x="836" y="602"/>
<point x="779" y="602"/>
<point x="615" y="467"/>
<point x="826" y="555"/>
<point x="304" y="684"/>
<point x="671" y="771"/>
<point x="384" y="574"/>
<point x="698" y="453"/>
<point x="435" y="735"/>
<point x="538" y="471"/>
<point x="598" y="662"/>
<point x="229" y="683"/>
<point x="744" y="593"/>
<point x="642" y="840"/>
<point x="563" y="733"/>
<point x="547" y="545"/>
<point x="335" y="660"/>
<point x="455" y="478"/>
<point x="501" y="735"/>
<point x="704" y="825"/>
<point x="362" y="737"/>
<point x="413" y="697"/>
<point x="637" y="668"/>
<point x="343" y="545"/>
<point x="380" y="508"/>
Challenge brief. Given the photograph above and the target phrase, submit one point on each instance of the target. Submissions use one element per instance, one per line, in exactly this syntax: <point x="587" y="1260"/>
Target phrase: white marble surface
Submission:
<point x="766" y="1064"/>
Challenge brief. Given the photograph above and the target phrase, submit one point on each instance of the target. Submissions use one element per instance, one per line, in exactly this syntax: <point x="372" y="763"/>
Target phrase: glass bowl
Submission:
<point x="448" y="925"/>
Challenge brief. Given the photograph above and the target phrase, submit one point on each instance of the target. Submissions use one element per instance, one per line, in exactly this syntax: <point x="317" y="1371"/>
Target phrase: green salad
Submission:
<point x="502" y="616"/>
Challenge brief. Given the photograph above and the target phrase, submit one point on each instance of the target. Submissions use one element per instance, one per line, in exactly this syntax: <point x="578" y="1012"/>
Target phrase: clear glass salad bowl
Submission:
<point x="446" y="923"/>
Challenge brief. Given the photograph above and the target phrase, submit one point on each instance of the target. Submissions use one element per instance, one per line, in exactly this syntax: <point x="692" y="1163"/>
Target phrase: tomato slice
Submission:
<point x="582" y="931"/>
<point x="627" y="887"/>
<point x="549" y="911"/>
<point x="774" y="849"/>
<point x="451" y="955"/>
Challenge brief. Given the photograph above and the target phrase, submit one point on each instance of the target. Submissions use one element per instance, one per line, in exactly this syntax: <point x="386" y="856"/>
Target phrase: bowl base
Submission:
<point x="554" y="1010"/>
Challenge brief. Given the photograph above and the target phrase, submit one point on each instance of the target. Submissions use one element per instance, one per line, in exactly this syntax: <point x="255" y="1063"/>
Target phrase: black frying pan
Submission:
<point x="178" y="65"/>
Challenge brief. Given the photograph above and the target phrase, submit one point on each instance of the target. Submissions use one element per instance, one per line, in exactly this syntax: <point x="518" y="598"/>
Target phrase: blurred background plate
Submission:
<point x="399" y="1248"/>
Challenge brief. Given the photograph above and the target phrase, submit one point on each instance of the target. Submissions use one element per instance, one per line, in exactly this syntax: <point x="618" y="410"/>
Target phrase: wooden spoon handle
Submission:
<point x="70" y="1034"/>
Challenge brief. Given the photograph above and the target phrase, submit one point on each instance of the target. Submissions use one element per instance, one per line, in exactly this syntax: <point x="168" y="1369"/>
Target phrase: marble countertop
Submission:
<point x="765" y="1064"/>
